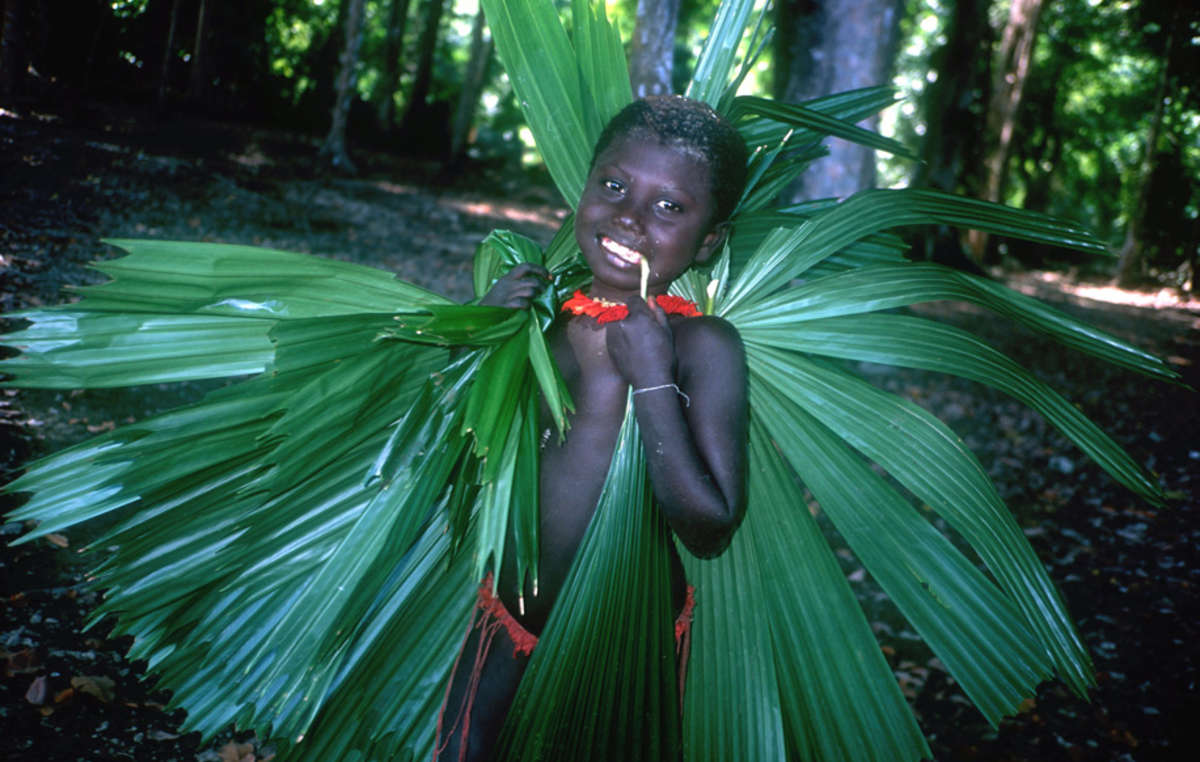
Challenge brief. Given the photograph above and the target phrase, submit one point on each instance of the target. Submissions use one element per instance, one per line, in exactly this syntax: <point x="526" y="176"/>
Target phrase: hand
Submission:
<point x="518" y="287"/>
<point x="641" y="346"/>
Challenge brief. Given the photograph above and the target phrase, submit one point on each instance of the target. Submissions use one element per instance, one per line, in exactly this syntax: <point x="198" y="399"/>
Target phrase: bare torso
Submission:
<point x="572" y="473"/>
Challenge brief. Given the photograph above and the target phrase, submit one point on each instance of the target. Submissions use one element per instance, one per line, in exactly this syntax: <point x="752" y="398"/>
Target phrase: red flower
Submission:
<point x="609" y="312"/>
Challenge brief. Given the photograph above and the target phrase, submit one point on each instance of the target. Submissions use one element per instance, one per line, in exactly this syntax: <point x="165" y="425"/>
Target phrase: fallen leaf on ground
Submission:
<point x="36" y="694"/>
<point x="237" y="752"/>
<point x="23" y="662"/>
<point x="99" y="686"/>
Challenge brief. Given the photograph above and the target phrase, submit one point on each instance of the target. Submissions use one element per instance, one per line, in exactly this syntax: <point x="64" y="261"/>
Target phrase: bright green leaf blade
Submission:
<point x="798" y="115"/>
<point x="73" y="349"/>
<point x="244" y="281"/>
<point x="871" y="289"/>
<point x="716" y="61"/>
<point x="839" y="698"/>
<point x="386" y="699"/>
<point x="926" y="458"/>
<point x="851" y="106"/>
<point x="613" y="609"/>
<point x="604" y="76"/>
<point x="542" y="67"/>
<point x="967" y="622"/>
<point x="873" y="211"/>
<point x="918" y="343"/>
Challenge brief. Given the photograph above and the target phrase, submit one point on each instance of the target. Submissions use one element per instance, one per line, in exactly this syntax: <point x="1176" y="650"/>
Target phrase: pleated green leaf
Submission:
<point x="768" y="678"/>
<point x="924" y="456"/>
<point x="917" y="343"/>
<point x="73" y="349"/>
<point x="243" y="281"/>
<point x="297" y="553"/>
<point x="604" y="76"/>
<point x="882" y="287"/>
<point x="872" y="211"/>
<point x="614" y="609"/>
<point x="848" y="107"/>
<point x="967" y="622"/>
<point x="818" y="122"/>
<point x="715" y="63"/>
<point x="542" y="67"/>
<point x="408" y="649"/>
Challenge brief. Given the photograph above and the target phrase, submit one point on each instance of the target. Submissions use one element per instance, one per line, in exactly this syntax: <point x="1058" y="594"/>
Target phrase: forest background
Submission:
<point x="1084" y="109"/>
<point x="385" y="132"/>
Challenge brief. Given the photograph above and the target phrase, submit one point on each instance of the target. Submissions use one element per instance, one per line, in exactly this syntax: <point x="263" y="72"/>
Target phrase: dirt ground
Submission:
<point x="1130" y="572"/>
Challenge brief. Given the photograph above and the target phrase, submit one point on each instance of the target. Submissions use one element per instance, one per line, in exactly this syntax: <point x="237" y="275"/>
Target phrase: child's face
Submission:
<point x="643" y="196"/>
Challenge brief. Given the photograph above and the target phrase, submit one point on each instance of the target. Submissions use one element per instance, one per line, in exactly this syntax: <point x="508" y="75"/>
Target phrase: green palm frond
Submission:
<point x="297" y="552"/>
<point x="567" y="91"/>
<point x="625" y="621"/>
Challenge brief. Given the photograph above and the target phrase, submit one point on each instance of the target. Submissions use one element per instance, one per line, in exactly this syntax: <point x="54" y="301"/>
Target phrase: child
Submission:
<point x="665" y="176"/>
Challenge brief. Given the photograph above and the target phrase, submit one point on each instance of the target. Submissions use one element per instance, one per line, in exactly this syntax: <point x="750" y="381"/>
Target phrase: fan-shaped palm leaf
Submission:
<point x="296" y="552"/>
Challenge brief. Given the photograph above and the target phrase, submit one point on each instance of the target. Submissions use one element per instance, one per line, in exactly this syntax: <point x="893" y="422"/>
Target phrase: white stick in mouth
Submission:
<point x="645" y="273"/>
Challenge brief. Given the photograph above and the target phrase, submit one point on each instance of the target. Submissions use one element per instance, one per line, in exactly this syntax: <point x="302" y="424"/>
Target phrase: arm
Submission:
<point x="696" y="455"/>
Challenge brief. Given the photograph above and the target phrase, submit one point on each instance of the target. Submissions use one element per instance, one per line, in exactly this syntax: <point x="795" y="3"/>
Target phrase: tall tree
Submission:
<point x="468" y="97"/>
<point x="334" y="148"/>
<point x="950" y="105"/>
<point x="1014" y="61"/>
<point x="1129" y="265"/>
<point x="199" y="79"/>
<point x="416" y="110"/>
<point x="393" y="50"/>
<point x="164" y="69"/>
<point x="653" y="50"/>
<point x="11" y="54"/>
<point x="826" y="46"/>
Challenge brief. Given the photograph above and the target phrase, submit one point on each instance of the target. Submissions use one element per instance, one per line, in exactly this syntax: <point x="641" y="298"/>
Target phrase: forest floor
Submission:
<point x="1129" y="571"/>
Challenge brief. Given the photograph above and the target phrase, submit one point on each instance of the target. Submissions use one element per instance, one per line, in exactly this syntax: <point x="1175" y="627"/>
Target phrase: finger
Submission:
<point x="529" y="269"/>
<point x="651" y="307"/>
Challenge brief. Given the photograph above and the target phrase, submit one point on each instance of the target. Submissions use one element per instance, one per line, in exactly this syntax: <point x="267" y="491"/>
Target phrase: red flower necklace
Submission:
<point x="609" y="312"/>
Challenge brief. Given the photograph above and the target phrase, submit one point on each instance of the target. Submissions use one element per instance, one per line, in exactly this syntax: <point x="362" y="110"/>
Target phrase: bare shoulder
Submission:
<point x="702" y="341"/>
<point x="709" y="347"/>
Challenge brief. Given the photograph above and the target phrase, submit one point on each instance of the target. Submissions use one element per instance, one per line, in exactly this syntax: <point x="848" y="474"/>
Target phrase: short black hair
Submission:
<point x="694" y="127"/>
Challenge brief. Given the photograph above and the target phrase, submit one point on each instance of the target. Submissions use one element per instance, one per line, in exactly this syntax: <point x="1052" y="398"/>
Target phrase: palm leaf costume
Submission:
<point x="298" y="552"/>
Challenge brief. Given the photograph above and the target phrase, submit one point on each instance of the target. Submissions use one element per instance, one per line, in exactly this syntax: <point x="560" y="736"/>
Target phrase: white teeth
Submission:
<point x="624" y="253"/>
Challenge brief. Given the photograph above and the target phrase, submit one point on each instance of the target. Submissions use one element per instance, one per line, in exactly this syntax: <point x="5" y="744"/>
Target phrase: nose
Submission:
<point x="627" y="216"/>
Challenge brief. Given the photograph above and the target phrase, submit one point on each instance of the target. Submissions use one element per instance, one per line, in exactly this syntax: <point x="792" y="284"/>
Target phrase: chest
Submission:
<point x="597" y="388"/>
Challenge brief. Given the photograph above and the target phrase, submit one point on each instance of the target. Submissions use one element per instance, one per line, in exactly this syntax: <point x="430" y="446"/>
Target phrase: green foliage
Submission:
<point x="296" y="552"/>
<point x="1081" y="132"/>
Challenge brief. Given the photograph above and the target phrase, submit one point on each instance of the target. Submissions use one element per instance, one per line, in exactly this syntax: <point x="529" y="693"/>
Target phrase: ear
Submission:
<point x="712" y="243"/>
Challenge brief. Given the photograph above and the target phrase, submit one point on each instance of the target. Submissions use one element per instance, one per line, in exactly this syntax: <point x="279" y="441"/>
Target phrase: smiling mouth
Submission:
<point x="620" y="251"/>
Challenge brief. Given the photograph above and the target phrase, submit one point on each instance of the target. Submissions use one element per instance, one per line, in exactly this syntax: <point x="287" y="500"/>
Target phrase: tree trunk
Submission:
<point x="164" y="71"/>
<point x="653" y="54"/>
<point x="949" y="148"/>
<point x="334" y="148"/>
<point x="950" y="151"/>
<point x="198" y="86"/>
<point x="827" y="46"/>
<point x="1129" y="264"/>
<point x="1014" y="62"/>
<point x="10" y="47"/>
<point x="426" y="47"/>
<point x="468" y="99"/>
<point x="389" y="82"/>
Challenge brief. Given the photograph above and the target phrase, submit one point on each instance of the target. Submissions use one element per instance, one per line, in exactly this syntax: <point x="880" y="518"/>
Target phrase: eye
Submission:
<point x="612" y="186"/>
<point x="667" y="205"/>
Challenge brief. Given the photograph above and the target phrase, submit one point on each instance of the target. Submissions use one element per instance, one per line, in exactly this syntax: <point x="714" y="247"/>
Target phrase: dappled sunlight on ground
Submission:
<point x="518" y="213"/>
<point x="1156" y="299"/>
